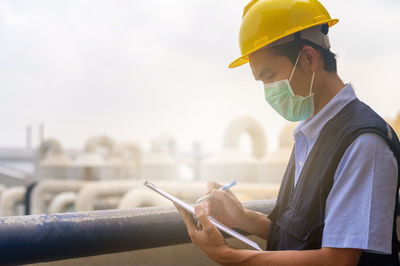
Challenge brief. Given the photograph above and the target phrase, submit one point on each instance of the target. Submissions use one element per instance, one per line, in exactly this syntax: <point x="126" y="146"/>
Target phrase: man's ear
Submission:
<point x="312" y="58"/>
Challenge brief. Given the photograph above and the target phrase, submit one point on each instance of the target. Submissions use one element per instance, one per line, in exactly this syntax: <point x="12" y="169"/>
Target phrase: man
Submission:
<point x="338" y="198"/>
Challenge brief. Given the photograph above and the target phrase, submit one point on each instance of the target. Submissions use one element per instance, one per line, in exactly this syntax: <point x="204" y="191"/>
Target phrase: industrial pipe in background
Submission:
<point x="48" y="188"/>
<point x="62" y="201"/>
<point x="10" y="198"/>
<point x="142" y="197"/>
<point x="88" y="195"/>
<point x="242" y="125"/>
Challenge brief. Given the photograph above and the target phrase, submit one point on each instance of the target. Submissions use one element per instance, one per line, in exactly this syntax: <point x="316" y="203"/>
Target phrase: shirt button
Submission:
<point x="300" y="163"/>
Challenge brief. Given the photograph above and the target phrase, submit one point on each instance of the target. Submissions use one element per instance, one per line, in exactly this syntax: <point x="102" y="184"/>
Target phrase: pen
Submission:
<point x="206" y="197"/>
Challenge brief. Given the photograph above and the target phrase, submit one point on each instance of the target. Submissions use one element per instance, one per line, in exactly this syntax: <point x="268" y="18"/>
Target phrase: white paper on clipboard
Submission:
<point x="190" y="209"/>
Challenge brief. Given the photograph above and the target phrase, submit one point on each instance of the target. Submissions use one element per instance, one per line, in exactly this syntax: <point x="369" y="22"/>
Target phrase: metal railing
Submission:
<point x="42" y="238"/>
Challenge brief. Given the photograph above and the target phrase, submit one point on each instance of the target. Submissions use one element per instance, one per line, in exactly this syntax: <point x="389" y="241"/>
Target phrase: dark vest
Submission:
<point x="299" y="214"/>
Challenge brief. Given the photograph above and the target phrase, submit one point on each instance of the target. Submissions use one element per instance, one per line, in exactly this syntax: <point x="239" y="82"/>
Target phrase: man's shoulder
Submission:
<point x="357" y="118"/>
<point x="370" y="143"/>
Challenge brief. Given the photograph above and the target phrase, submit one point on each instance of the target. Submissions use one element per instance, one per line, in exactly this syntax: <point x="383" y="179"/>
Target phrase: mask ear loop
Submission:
<point x="312" y="82"/>
<point x="297" y="60"/>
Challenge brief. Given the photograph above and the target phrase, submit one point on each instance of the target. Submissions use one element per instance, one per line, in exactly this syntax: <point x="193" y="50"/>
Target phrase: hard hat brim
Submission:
<point x="245" y="58"/>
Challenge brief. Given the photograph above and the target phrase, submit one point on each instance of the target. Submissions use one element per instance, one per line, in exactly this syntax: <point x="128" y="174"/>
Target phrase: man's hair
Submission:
<point x="292" y="49"/>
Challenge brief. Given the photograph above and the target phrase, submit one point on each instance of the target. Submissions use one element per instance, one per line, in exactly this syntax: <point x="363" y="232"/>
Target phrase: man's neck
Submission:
<point x="331" y="84"/>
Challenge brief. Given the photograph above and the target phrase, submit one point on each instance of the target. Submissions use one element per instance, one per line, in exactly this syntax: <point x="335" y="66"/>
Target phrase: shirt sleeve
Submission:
<point x="360" y="207"/>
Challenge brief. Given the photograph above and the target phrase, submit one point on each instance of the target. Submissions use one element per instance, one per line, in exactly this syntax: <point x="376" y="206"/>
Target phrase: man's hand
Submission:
<point x="227" y="209"/>
<point x="205" y="235"/>
<point x="223" y="206"/>
<point x="211" y="241"/>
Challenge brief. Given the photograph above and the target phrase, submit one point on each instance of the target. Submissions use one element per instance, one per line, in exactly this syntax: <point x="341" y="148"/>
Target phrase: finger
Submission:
<point x="223" y="195"/>
<point x="212" y="207"/>
<point x="218" y="194"/>
<point x="186" y="216"/>
<point x="230" y="195"/>
<point x="208" y="192"/>
<point x="204" y="204"/>
<point x="203" y="219"/>
<point x="199" y="226"/>
<point x="229" y="191"/>
<point x="211" y="185"/>
<point x="187" y="219"/>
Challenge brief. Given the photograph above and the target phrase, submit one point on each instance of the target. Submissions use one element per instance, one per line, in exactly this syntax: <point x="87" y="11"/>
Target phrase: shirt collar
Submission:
<point x="312" y="127"/>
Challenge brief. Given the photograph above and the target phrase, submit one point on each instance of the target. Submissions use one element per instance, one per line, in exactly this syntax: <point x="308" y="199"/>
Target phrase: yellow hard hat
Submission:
<point x="266" y="21"/>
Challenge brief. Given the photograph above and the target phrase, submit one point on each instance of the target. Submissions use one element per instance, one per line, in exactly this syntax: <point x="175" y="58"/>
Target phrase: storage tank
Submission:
<point x="159" y="163"/>
<point x="123" y="162"/>
<point x="53" y="162"/>
<point x="89" y="164"/>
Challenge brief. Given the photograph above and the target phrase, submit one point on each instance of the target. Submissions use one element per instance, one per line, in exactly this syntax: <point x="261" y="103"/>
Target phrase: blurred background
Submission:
<point x="124" y="91"/>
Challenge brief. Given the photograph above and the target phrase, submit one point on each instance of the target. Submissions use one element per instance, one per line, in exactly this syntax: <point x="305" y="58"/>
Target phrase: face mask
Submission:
<point x="291" y="107"/>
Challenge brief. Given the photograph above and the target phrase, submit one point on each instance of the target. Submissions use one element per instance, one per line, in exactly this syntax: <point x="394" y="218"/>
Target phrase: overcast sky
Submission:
<point x="136" y="69"/>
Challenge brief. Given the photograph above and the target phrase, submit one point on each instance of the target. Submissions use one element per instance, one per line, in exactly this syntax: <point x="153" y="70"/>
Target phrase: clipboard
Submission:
<point x="190" y="209"/>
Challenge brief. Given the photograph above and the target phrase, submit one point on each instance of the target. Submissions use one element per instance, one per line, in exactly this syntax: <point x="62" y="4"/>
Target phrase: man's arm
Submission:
<point x="323" y="256"/>
<point x="360" y="206"/>
<point x="255" y="223"/>
<point x="211" y="241"/>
